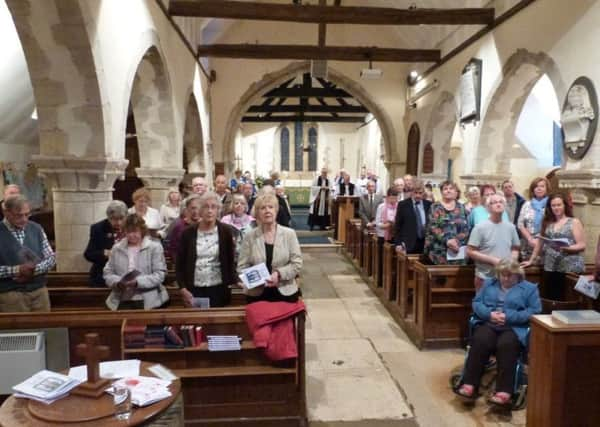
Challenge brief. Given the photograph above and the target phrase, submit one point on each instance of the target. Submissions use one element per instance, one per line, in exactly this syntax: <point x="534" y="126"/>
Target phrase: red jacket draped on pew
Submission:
<point x="272" y="327"/>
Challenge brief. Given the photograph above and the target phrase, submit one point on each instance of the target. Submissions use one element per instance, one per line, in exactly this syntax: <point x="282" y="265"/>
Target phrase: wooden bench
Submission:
<point x="405" y="283"/>
<point x="225" y="388"/>
<point x="389" y="272"/>
<point x="377" y="267"/>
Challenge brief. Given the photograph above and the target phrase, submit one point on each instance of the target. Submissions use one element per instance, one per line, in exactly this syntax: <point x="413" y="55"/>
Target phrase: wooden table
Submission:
<point x="90" y="412"/>
<point x="564" y="374"/>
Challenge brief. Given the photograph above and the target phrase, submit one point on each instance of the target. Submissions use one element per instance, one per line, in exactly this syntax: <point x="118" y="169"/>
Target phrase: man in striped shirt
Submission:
<point x="25" y="258"/>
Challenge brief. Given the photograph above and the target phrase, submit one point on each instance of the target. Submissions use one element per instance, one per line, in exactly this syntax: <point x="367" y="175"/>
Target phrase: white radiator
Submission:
<point x="21" y="355"/>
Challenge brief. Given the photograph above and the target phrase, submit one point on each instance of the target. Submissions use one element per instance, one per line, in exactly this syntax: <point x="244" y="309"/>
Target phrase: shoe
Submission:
<point x="500" y="399"/>
<point x="466" y="390"/>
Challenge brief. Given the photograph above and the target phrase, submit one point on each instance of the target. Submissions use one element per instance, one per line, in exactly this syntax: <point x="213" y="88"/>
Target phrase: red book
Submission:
<point x="199" y="335"/>
<point x="173" y="337"/>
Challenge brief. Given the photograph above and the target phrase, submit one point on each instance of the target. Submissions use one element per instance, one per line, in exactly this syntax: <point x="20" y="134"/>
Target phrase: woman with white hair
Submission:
<point x="238" y="218"/>
<point x="170" y="210"/>
<point x="474" y="197"/>
<point x="205" y="264"/>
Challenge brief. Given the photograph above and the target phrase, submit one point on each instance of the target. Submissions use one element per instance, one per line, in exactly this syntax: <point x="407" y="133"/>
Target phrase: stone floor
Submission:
<point x="362" y="370"/>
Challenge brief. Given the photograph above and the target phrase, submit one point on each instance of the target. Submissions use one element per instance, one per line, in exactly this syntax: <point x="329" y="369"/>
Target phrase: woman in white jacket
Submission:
<point x="136" y="270"/>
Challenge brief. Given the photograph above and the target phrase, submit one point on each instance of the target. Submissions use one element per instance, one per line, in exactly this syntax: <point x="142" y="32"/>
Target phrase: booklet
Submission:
<point x="454" y="256"/>
<point x="255" y="276"/>
<point x="201" y="302"/>
<point x="577" y="317"/>
<point x="46" y="386"/>
<point x="111" y="369"/>
<point x="559" y="242"/>
<point x="587" y="286"/>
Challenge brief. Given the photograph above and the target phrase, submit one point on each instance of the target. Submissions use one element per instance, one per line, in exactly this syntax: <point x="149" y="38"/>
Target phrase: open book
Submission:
<point x="559" y="242"/>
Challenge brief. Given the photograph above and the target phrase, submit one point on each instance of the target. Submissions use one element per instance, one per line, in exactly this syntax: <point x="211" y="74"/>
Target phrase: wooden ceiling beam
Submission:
<point x="329" y="14"/>
<point x="300" y="92"/>
<point x="303" y="118"/>
<point x="307" y="52"/>
<point x="355" y="109"/>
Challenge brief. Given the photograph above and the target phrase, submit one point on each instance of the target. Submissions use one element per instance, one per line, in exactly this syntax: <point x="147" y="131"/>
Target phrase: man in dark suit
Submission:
<point x="411" y="221"/>
<point x="345" y="187"/>
<point x="103" y="235"/>
<point x="367" y="205"/>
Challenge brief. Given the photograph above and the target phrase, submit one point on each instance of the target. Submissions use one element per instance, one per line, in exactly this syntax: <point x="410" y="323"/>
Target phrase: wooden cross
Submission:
<point x="93" y="353"/>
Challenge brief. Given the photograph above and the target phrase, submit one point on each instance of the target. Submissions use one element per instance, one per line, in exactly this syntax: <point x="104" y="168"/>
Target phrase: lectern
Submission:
<point x="345" y="211"/>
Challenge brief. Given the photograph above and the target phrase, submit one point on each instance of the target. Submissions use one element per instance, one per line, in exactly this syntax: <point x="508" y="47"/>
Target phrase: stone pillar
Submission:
<point x="158" y="181"/>
<point x="584" y="186"/>
<point x="395" y="169"/>
<point x="81" y="190"/>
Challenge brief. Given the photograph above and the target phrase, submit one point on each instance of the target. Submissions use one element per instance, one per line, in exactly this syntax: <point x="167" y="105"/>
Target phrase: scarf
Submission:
<point x="538" y="213"/>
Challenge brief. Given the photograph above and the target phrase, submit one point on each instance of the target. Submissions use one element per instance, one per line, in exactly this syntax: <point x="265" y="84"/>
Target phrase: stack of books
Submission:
<point x="134" y="336"/>
<point x="155" y="336"/>
<point x="192" y="335"/>
<point x="46" y="386"/>
<point x="224" y="342"/>
<point x="577" y="317"/>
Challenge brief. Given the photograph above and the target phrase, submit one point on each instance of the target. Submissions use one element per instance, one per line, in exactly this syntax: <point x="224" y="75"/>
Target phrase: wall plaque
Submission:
<point x="579" y="118"/>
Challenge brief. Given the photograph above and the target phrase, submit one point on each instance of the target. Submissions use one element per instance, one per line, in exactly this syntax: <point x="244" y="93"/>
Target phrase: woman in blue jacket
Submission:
<point x="503" y="306"/>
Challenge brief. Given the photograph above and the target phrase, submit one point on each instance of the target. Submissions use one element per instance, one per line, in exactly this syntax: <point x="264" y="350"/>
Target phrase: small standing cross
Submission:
<point x="93" y="353"/>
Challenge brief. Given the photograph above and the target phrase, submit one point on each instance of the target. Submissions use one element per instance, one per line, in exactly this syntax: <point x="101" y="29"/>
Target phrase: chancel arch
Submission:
<point x="498" y="140"/>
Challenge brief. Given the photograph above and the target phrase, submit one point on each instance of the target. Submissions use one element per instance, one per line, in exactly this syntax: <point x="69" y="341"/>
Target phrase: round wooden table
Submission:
<point x="90" y="412"/>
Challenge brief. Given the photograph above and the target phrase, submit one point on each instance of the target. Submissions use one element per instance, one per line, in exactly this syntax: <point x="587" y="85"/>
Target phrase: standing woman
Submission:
<point x="170" y="210"/>
<point x="238" y="218"/>
<point x="141" y="207"/>
<point x="474" y="197"/>
<point x="205" y="265"/>
<point x="558" y="259"/>
<point x="275" y="245"/>
<point x="447" y="228"/>
<point x="532" y="213"/>
<point x="136" y="269"/>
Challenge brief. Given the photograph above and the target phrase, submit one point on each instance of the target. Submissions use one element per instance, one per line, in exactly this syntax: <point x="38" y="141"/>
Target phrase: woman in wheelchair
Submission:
<point x="502" y="309"/>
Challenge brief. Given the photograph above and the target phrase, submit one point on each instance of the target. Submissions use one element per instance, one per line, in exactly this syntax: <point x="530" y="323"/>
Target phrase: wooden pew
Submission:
<point x="224" y="388"/>
<point x="377" y="266"/>
<point x="405" y="284"/>
<point x="389" y="272"/>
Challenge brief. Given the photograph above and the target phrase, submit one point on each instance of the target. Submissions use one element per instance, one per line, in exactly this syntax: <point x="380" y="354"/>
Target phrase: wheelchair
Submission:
<point x="488" y="380"/>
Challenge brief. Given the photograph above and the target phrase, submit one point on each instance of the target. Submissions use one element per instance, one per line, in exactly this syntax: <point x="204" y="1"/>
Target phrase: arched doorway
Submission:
<point x="412" y="149"/>
<point x="193" y="143"/>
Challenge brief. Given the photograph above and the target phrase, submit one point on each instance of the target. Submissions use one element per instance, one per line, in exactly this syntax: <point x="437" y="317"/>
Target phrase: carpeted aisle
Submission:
<point x="305" y="236"/>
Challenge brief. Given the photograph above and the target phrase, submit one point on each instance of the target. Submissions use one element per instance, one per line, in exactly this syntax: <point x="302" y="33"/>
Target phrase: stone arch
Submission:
<point x="271" y="80"/>
<point x="520" y="73"/>
<point x="193" y="142"/>
<point x="152" y="105"/>
<point x="438" y="132"/>
<point x="63" y="76"/>
<point x="412" y="149"/>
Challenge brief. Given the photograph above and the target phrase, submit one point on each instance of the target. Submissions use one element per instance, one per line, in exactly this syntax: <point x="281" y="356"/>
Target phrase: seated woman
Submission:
<point x="238" y="218"/>
<point x="205" y="266"/>
<point x="170" y="210"/>
<point x="447" y="228"/>
<point x="136" y="270"/>
<point x="141" y="207"/>
<point x="503" y="306"/>
<point x="275" y="245"/>
<point x="103" y="236"/>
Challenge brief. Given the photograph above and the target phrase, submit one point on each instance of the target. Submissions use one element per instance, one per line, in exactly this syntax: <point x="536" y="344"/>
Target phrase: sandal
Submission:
<point x="500" y="399"/>
<point x="466" y="391"/>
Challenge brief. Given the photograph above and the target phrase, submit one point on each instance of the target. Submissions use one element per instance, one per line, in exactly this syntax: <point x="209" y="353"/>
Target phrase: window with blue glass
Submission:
<point x="312" y="154"/>
<point x="298" y="147"/>
<point x="284" y="140"/>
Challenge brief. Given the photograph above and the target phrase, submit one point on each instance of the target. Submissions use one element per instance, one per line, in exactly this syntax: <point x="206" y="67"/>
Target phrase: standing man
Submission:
<point x="199" y="185"/>
<point x="514" y="201"/>
<point x="367" y="205"/>
<point x="320" y="201"/>
<point x="411" y="221"/>
<point x="492" y="240"/>
<point x="9" y="191"/>
<point x="361" y="182"/>
<point x="345" y="187"/>
<point x="25" y="258"/>
<point x="399" y="187"/>
<point x="409" y="183"/>
<point x="224" y="195"/>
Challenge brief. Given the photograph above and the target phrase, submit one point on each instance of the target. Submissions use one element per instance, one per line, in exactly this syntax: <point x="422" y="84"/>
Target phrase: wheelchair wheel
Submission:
<point x="520" y="398"/>
<point x="455" y="380"/>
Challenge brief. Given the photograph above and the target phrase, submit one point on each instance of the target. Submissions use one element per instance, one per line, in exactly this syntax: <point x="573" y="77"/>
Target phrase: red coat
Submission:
<point x="272" y="327"/>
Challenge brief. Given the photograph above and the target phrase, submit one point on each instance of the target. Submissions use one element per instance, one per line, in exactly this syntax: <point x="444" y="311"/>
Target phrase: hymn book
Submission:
<point x="577" y="317"/>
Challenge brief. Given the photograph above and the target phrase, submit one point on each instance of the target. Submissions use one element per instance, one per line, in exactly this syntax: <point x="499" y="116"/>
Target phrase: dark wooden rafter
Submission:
<point x="307" y="52"/>
<point x="302" y="118"/>
<point x="330" y="14"/>
<point x="322" y="27"/>
<point x="323" y="108"/>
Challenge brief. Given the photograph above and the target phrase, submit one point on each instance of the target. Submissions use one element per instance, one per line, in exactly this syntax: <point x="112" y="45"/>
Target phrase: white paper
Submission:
<point x="587" y="286"/>
<point x="144" y="390"/>
<point x="255" y="276"/>
<point x="46" y="385"/>
<point x="112" y="370"/>
<point x="560" y="242"/>
<point x="201" y="302"/>
<point x="453" y="256"/>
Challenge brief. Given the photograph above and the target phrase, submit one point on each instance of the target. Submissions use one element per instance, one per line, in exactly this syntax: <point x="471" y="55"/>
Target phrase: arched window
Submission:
<point x="284" y="140"/>
<point x="312" y="154"/>
<point x="427" y="166"/>
<point x="412" y="149"/>
<point x="298" y="147"/>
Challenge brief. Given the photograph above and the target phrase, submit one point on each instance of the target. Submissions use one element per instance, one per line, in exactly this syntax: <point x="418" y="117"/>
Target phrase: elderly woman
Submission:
<point x="480" y="212"/>
<point x="205" y="266"/>
<point x="238" y="218"/>
<point x="141" y="207"/>
<point x="447" y="228"/>
<point x="503" y="308"/>
<point x="474" y="197"/>
<point x="170" y="210"/>
<point x="103" y="236"/>
<point x="532" y="214"/>
<point x="136" y="270"/>
<point x="560" y="257"/>
<point x="275" y="245"/>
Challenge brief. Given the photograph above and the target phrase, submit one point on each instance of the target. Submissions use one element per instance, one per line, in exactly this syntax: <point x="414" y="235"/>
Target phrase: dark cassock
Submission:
<point x="320" y="203"/>
<point x="346" y="189"/>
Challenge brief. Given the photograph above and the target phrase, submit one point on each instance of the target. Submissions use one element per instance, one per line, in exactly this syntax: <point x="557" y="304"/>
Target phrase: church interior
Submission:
<point x="104" y="97"/>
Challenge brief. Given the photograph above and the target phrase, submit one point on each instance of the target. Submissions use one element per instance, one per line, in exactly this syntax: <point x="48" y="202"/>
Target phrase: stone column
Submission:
<point x="81" y="190"/>
<point x="395" y="169"/>
<point x="584" y="186"/>
<point x="158" y="181"/>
